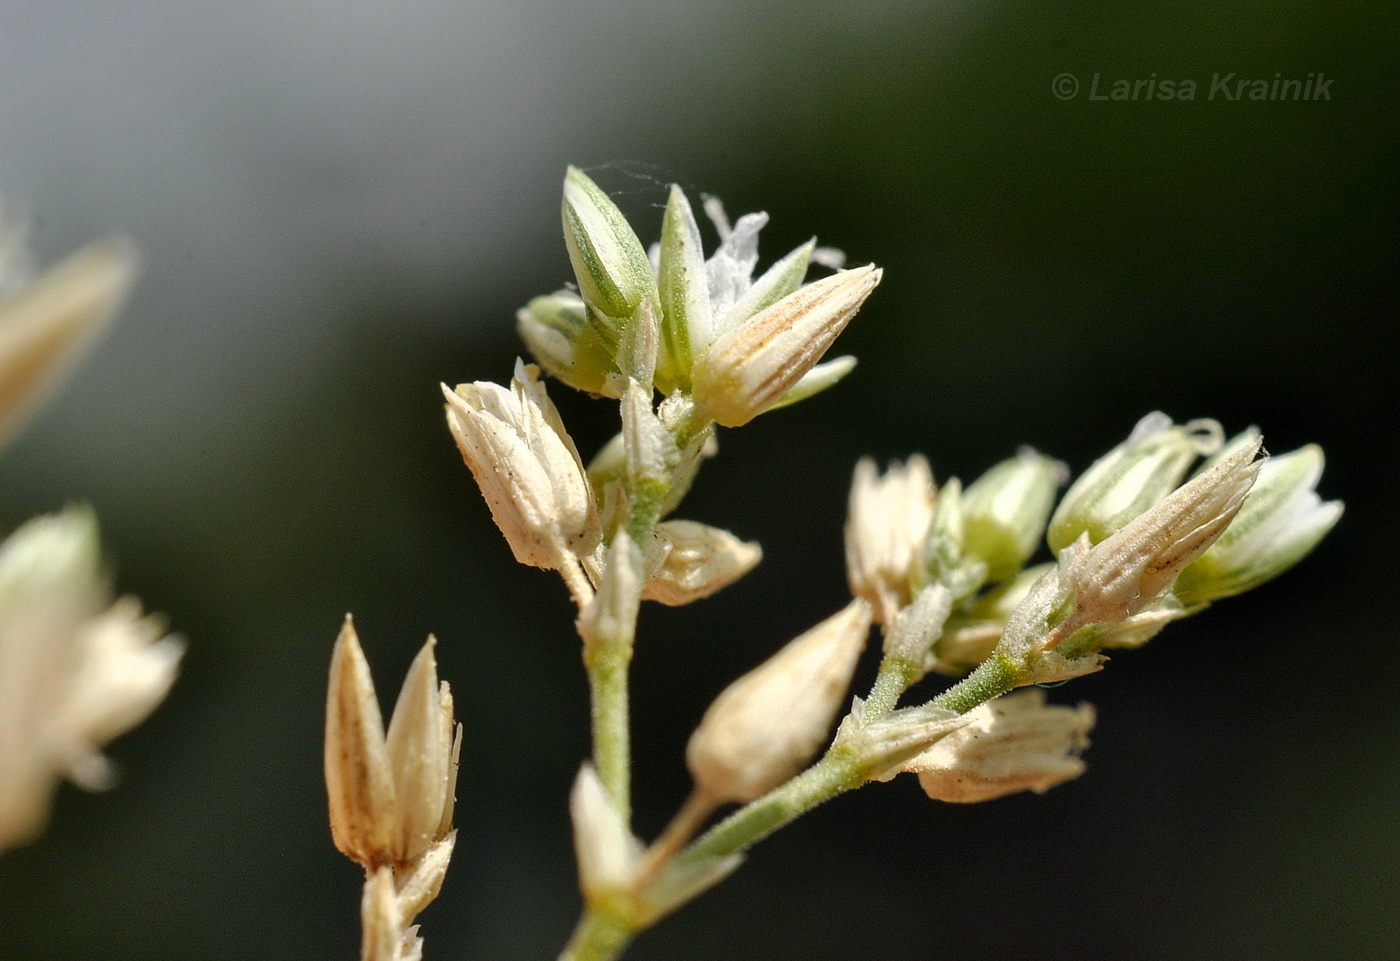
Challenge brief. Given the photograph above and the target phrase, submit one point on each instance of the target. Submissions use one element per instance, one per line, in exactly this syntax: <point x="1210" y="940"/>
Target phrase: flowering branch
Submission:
<point x="942" y="570"/>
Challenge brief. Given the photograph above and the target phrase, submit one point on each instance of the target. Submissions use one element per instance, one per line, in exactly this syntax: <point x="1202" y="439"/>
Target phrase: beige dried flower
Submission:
<point x="1128" y="572"/>
<point x="391" y="901"/>
<point x="699" y="560"/>
<point x="46" y="325"/>
<point x="750" y="368"/>
<point x="887" y="520"/>
<point x="391" y="797"/>
<point x="527" y="468"/>
<point x="1014" y="743"/>
<point x="76" y="670"/>
<point x="767" y="724"/>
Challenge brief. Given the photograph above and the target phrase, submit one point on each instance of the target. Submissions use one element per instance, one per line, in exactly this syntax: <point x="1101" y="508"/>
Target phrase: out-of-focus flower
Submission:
<point x="46" y="324"/>
<point x="527" y="468"/>
<point x="76" y="670"/>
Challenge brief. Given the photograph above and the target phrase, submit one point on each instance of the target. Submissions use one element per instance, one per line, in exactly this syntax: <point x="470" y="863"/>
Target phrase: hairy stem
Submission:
<point x="612" y="746"/>
<point x="599" y="936"/>
<point x="837" y="772"/>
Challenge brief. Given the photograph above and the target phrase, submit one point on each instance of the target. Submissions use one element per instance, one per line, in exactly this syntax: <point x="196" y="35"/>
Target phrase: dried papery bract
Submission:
<point x="1014" y="743"/>
<point x="699" y="560"/>
<point x="767" y="724"/>
<point x="76" y="669"/>
<point x="1131" y="478"/>
<point x="359" y="782"/>
<point x="887" y="520"/>
<point x="528" y="470"/>
<point x="391" y="796"/>
<point x="748" y="369"/>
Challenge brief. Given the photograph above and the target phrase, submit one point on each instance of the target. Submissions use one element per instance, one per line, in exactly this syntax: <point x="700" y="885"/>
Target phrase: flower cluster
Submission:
<point x="944" y="571"/>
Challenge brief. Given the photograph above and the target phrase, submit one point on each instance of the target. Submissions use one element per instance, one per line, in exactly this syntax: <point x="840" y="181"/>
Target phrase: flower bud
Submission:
<point x="767" y="724"/>
<point x="557" y="332"/>
<point x="1130" y="478"/>
<point x="1280" y="521"/>
<point x="1129" y="571"/>
<point x="1005" y="511"/>
<point x="608" y="855"/>
<point x="944" y="558"/>
<point x="886" y="522"/>
<point x="683" y="288"/>
<point x="1014" y="743"/>
<point x="700" y="560"/>
<point x="750" y="367"/>
<point x="391" y="798"/>
<point x="613" y="272"/>
<point x="611" y="616"/>
<point x="913" y="631"/>
<point x="526" y="466"/>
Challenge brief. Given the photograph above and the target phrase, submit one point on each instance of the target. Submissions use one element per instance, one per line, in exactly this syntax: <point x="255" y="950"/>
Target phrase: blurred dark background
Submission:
<point x="343" y="204"/>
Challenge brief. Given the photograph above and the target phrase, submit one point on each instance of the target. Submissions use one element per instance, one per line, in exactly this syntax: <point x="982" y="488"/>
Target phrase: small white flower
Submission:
<point x="1280" y="521"/>
<point x="886" y="522"/>
<point x="527" y="468"/>
<point x="74" y="671"/>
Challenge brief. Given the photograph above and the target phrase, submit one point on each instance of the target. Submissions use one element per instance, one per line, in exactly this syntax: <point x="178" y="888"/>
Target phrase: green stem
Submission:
<point x="891" y="682"/>
<point x="599" y="936"/>
<point x="992" y="678"/>
<point x="837" y="772"/>
<point x="612" y="746"/>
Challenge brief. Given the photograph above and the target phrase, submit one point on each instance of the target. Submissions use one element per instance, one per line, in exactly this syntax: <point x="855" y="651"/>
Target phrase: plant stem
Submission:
<point x="685" y="825"/>
<point x="837" y="772"/>
<point x="599" y="936"/>
<point x="612" y="747"/>
<point x="891" y="682"/>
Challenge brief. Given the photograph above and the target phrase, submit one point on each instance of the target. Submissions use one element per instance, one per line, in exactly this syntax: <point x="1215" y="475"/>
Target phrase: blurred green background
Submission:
<point x="343" y="204"/>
